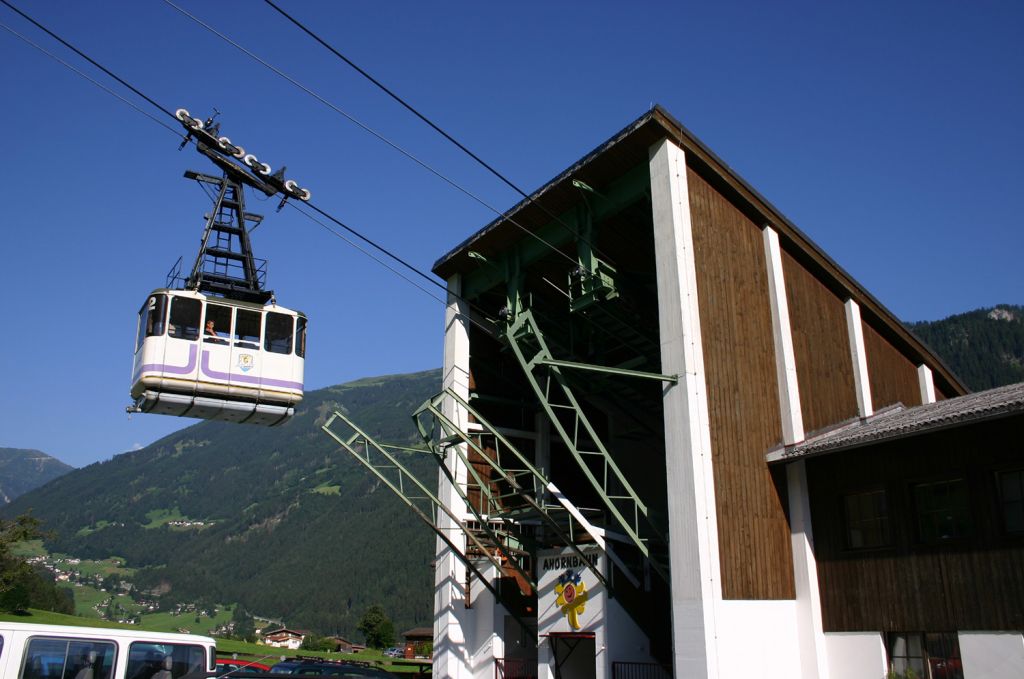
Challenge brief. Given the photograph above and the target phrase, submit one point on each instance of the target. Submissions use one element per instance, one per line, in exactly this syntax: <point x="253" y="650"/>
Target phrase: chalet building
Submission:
<point x="917" y="521"/>
<point x="677" y="439"/>
<point x="283" y="637"/>
<point x="417" y="640"/>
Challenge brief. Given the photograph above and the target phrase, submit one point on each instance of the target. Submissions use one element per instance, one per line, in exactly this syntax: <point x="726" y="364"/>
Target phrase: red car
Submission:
<point x="233" y="666"/>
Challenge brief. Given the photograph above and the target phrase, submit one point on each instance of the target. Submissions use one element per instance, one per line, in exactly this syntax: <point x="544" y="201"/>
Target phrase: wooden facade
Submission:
<point x="971" y="583"/>
<point x="739" y="356"/>
<point x="893" y="377"/>
<point x="822" y="348"/>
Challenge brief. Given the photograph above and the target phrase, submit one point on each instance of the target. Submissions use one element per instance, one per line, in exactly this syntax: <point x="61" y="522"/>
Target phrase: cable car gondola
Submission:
<point x="219" y="347"/>
<point x="217" y="358"/>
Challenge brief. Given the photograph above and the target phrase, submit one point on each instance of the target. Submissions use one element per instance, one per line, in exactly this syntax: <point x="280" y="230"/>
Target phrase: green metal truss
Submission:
<point x="545" y="376"/>
<point x="525" y="482"/>
<point x="381" y="462"/>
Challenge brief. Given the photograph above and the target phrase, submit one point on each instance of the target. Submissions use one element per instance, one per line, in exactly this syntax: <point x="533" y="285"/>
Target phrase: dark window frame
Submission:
<point x="930" y="535"/>
<point x="848" y="524"/>
<point x="273" y="340"/>
<point x="147" y="326"/>
<point x="220" y="335"/>
<point x="189" y="334"/>
<point x="1002" y="501"/>
<point x="946" y="660"/>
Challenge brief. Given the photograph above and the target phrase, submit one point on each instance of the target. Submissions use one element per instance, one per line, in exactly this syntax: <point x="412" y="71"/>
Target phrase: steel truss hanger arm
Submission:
<point x="378" y="459"/>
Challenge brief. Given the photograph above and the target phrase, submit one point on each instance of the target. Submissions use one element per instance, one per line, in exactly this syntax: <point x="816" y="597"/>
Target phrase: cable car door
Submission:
<point x="246" y="366"/>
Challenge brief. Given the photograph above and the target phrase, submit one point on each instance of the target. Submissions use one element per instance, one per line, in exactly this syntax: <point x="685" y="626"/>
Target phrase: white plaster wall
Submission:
<point x="452" y="650"/>
<point x="622" y="639"/>
<point x="756" y="640"/>
<point x="992" y="655"/>
<point x="855" y="655"/>
<point x="487" y="623"/>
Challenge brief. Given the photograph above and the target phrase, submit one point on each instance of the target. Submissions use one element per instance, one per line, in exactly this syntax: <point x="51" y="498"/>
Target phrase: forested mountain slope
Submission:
<point x="985" y="347"/>
<point x="22" y="469"/>
<point x="283" y="520"/>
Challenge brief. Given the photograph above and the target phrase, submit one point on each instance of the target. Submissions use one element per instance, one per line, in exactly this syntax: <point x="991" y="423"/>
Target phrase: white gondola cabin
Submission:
<point x="218" y="359"/>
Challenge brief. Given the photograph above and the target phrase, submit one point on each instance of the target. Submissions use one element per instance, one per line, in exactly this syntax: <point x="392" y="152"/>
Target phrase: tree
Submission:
<point x="314" y="643"/>
<point x="376" y="627"/>
<point x="244" y="627"/>
<point x="20" y="585"/>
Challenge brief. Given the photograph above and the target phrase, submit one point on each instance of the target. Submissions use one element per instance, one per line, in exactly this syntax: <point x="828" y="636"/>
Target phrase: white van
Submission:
<point x="30" y="651"/>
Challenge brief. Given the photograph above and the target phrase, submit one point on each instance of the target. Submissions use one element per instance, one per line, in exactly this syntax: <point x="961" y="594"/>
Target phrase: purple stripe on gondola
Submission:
<point x="174" y="369"/>
<point x="263" y="381"/>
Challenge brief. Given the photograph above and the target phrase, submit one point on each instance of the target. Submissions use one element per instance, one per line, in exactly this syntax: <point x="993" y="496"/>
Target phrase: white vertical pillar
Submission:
<point x="451" y="654"/>
<point x="693" y="526"/>
<point x="927" y="383"/>
<point x="785" y="358"/>
<point x="859" y="356"/>
<point x="810" y="635"/>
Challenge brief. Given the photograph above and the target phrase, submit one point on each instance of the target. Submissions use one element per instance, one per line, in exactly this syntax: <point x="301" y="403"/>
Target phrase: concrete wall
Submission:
<point x="992" y="655"/>
<point x="855" y="655"/>
<point x="756" y="639"/>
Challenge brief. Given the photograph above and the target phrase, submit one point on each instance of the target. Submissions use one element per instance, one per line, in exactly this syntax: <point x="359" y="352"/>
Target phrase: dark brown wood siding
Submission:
<point x="892" y="376"/>
<point x="974" y="583"/>
<point x="739" y="359"/>
<point x="822" y="348"/>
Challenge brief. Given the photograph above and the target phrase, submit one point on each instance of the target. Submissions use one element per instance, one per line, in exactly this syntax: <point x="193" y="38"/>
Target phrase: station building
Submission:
<point x="679" y="440"/>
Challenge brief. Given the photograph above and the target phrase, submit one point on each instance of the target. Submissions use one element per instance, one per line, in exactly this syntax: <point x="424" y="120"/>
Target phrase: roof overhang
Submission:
<point x="898" y="422"/>
<point x="628" y="149"/>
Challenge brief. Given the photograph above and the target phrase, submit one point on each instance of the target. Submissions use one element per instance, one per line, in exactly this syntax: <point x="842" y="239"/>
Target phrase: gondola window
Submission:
<point x="220" y="317"/>
<point x="247" y="329"/>
<point x="185" y="315"/>
<point x="280" y="330"/>
<point x="300" y="337"/>
<point x="152" y="316"/>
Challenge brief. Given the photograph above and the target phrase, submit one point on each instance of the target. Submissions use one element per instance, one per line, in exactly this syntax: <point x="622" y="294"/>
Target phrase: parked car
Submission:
<point x="329" y="668"/>
<point x="233" y="666"/>
<point x="395" y="652"/>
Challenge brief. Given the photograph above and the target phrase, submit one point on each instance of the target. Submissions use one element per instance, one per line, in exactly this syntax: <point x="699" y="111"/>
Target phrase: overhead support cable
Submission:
<point x="86" y="57"/>
<point x="483" y="325"/>
<point x="426" y="120"/>
<point x="355" y="121"/>
<point x="86" y="76"/>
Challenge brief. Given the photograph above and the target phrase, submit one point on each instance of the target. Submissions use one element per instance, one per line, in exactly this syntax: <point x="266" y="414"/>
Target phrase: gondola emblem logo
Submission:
<point x="572" y="596"/>
<point x="245" y="362"/>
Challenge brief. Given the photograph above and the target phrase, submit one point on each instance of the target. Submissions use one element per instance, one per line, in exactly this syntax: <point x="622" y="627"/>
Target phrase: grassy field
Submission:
<point x="86" y="599"/>
<point x="28" y="548"/>
<point x="159" y="517"/>
<point x="169" y="622"/>
<point x="112" y="566"/>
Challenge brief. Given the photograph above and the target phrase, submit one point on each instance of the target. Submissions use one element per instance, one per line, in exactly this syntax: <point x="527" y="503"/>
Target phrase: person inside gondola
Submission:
<point x="211" y="333"/>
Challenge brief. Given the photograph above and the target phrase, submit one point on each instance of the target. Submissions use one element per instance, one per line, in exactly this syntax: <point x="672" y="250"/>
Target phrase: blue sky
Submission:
<point x="890" y="133"/>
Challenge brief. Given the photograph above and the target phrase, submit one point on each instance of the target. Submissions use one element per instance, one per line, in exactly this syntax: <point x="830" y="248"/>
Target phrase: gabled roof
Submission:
<point x="286" y="630"/>
<point x="900" y="422"/>
<point x="419" y="633"/>
<point x="628" y="149"/>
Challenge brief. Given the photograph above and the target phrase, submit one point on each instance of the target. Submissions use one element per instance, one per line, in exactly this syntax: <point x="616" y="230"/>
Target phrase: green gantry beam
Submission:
<point x="524" y="469"/>
<point x="386" y="467"/>
<point x="553" y="391"/>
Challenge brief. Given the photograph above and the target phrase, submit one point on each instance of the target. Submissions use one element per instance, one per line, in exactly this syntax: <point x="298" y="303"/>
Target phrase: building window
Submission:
<point x="867" y="519"/>
<point x="943" y="510"/>
<point x="1011" y="497"/>
<point x="910" y="653"/>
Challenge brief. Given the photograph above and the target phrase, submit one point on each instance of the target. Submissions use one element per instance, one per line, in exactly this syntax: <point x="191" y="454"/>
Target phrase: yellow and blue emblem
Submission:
<point x="572" y="597"/>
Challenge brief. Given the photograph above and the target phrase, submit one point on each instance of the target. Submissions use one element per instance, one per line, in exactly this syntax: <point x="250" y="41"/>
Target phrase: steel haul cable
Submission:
<point x="167" y="112"/>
